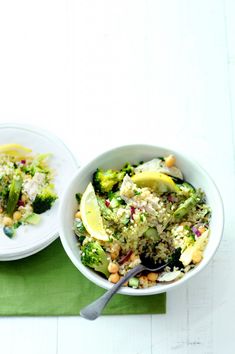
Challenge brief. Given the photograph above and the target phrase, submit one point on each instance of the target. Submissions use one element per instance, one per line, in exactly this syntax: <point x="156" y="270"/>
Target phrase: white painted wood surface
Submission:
<point x="104" y="73"/>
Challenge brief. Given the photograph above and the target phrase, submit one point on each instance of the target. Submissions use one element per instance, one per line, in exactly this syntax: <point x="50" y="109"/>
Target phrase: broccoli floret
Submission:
<point x="105" y="180"/>
<point x="44" y="201"/>
<point x="94" y="256"/>
<point x="128" y="169"/>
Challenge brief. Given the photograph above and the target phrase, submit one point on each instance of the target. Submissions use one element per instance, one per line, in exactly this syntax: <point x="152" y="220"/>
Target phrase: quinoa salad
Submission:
<point x="147" y="209"/>
<point x="26" y="188"/>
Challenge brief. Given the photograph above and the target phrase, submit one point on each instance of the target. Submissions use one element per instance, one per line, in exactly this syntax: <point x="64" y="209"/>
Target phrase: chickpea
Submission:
<point x="114" y="278"/>
<point x="201" y="229"/>
<point x="17" y="215"/>
<point x="7" y="221"/>
<point x="78" y="215"/>
<point x="133" y="257"/>
<point x="170" y="161"/>
<point x="128" y="193"/>
<point x="197" y="257"/>
<point x="152" y="276"/>
<point x="114" y="255"/>
<point x="113" y="267"/>
<point x="115" y="249"/>
<point x="185" y="223"/>
<point x="135" y="260"/>
<point x="143" y="281"/>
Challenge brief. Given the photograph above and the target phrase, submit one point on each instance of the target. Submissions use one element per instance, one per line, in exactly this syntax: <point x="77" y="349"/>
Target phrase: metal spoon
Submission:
<point x="93" y="310"/>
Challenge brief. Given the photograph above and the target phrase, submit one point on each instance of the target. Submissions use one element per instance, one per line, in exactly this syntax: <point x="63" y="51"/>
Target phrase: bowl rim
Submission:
<point x="103" y="283"/>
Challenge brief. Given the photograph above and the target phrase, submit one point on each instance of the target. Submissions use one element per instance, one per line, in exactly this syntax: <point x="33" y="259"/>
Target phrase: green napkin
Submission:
<point x="48" y="284"/>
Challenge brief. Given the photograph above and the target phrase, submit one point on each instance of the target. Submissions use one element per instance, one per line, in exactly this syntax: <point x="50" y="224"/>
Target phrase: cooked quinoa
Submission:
<point x="159" y="220"/>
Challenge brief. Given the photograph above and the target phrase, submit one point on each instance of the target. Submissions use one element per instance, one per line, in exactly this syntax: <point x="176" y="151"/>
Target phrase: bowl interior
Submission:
<point x="115" y="159"/>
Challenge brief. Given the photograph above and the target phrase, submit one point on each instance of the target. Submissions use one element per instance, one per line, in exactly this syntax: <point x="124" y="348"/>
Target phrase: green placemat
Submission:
<point x="48" y="284"/>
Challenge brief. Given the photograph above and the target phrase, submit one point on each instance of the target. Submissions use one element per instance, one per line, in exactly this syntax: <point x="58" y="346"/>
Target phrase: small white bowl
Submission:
<point x="30" y="239"/>
<point x="115" y="159"/>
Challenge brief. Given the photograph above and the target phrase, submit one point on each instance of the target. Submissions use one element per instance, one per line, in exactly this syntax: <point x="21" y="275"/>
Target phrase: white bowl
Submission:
<point x="115" y="159"/>
<point x="30" y="239"/>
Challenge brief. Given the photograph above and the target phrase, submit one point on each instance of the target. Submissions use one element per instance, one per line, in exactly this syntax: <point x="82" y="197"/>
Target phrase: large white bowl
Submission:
<point x="115" y="159"/>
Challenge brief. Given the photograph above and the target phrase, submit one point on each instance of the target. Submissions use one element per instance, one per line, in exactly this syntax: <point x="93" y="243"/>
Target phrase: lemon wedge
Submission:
<point x="91" y="215"/>
<point x="158" y="182"/>
<point x="14" y="150"/>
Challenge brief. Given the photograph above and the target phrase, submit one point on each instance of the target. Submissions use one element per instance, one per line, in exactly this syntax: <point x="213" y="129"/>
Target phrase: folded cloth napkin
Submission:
<point x="48" y="284"/>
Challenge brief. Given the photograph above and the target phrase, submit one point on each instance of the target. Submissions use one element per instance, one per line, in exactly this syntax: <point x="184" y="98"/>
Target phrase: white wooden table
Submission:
<point x="103" y="73"/>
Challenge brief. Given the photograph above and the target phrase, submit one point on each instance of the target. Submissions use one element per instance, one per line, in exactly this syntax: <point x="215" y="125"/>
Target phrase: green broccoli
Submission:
<point x="105" y="180"/>
<point x="44" y="201"/>
<point x="128" y="169"/>
<point x="94" y="256"/>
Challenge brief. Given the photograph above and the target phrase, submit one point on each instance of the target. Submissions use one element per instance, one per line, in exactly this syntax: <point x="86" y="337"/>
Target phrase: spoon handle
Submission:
<point x="92" y="311"/>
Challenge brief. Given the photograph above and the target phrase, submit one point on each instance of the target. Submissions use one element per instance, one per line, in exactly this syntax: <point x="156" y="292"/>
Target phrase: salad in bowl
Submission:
<point x="141" y="201"/>
<point x="26" y="188"/>
<point x="146" y="209"/>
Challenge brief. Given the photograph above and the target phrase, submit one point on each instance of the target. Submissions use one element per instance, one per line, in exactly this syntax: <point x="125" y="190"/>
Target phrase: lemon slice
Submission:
<point x="91" y="215"/>
<point x="14" y="150"/>
<point x="158" y="182"/>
